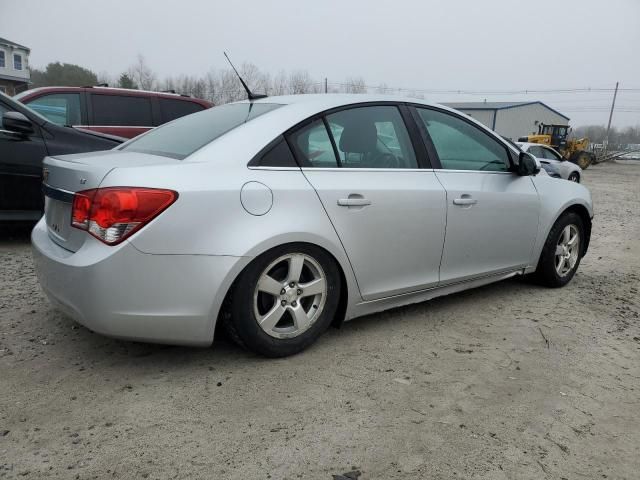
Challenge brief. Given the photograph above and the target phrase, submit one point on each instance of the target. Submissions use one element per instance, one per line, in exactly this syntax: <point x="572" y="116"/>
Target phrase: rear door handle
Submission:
<point x="354" y="202"/>
<point x="465" y="201"/>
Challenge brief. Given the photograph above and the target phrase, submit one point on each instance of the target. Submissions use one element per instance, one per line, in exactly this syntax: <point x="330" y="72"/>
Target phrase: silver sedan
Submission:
<point x="285" y="215"/>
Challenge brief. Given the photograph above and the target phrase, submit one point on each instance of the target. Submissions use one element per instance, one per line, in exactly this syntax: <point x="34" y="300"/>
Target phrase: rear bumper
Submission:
<point x="124" y="293"/>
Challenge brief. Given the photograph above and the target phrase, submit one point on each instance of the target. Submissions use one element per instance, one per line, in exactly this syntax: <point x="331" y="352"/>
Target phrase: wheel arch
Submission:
<point x="585" y="216"/>
<point x="348" y="287"/>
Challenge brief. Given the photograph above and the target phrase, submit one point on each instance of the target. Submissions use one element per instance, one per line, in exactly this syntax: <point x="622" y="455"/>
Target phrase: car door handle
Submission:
<point x="465" y="201"/>
<point x="354" y="202"/>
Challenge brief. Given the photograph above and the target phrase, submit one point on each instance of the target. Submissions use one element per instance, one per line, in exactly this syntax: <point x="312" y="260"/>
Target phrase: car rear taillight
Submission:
<point x="112" y="214"/>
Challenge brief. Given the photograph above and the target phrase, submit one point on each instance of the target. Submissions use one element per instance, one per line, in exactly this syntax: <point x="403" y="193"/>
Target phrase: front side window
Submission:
<point x="183" y="136"/>
<point x="121" y="110"/>
<point x="17" y="61"/>
<point x="461" y="145"/>
<point x="59" y="108"/>
<point x="3" y="61"/>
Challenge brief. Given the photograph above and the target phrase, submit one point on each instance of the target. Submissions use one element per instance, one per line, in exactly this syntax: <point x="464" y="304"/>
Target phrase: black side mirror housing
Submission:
<point x="17" y="122"/>
<point x="527" y="165"/>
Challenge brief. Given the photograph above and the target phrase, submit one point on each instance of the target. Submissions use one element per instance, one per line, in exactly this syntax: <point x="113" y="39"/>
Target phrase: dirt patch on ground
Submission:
<point x="507" y="381"/>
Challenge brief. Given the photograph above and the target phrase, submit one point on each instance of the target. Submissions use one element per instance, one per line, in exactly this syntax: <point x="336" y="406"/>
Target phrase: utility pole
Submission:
<point x="613" y="104"/>
<point x="326" y="89"/>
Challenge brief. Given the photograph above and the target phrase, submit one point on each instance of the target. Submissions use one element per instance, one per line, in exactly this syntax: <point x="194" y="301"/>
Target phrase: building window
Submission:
<point x="2" y="60"/>
<point x="3" y="89"/>
<point x="17" y="61"/>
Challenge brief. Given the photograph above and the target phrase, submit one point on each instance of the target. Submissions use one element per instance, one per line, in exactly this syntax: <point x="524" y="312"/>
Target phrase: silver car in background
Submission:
<point x="282" y="216"/>
<point x="545" y="154"/>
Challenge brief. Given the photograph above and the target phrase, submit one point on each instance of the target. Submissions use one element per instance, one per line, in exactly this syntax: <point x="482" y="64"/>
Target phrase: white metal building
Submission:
<point x="511" y="119"/>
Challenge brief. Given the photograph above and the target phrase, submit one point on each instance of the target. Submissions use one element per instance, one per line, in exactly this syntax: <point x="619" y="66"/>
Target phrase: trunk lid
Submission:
<point x="65" y="175"/>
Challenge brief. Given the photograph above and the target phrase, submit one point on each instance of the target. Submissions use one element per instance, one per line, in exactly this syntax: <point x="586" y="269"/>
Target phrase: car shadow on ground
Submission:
<point x="96" y="349"/>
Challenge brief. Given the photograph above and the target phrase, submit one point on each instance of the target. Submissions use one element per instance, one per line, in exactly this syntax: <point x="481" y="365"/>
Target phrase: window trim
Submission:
<point x="426" y="138"/>
<point x="21" y="62"/>
<point x="423" y="159"/>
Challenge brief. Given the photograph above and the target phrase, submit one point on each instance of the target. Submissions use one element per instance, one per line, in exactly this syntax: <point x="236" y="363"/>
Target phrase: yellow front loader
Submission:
<point x="574" y="150"/>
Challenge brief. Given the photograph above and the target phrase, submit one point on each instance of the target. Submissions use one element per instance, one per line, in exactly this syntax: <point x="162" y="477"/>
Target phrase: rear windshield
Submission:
<point x="183" y="136"/>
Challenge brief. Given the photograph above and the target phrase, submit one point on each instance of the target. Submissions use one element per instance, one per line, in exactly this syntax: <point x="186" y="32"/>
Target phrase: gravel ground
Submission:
<point x="506" y="381"/>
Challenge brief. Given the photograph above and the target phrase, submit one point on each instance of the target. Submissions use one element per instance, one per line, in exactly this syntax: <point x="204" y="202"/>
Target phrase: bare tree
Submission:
<point x="300" y="82"/>
<point x="280" y="84"/>
<point x="383" y="89"/>
<point x="355" y="85"/>
<point x="144" y="77"/>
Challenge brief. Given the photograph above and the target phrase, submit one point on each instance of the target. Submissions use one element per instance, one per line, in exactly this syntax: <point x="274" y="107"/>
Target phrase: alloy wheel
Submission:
<point x="567" y="250"/>
<point x="290" y="295"/>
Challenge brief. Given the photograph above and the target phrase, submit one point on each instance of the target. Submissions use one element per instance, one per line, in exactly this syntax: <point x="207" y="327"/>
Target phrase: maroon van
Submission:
<point x="116" y="111"/>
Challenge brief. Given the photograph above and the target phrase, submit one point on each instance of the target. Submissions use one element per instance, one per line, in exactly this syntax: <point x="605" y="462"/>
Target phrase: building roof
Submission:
<point x="498" y="106"/>
<point x="13" y="44"/>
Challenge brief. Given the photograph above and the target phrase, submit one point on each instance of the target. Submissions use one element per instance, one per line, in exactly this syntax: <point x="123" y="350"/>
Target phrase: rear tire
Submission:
<point x="560" y="257"/>
<point x="284" y="300"/>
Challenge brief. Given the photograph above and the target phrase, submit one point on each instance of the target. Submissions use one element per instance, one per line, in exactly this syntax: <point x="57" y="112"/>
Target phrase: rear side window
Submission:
<point x="59" y="108"/>
<point x="372" y="137"/>
<point x="121" y="110"/>
<point x="277" y="155"/>
<point x="312" y="145"/>
<point x="185" y="135"/>
<point x="170" y="108"/>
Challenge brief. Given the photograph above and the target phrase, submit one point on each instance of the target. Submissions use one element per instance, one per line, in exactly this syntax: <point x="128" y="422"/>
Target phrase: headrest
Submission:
<point x="359" y="137"/>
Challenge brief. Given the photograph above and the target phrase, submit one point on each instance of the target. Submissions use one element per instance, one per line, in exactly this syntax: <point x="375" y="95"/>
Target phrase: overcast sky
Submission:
<point x="488" y="45"/>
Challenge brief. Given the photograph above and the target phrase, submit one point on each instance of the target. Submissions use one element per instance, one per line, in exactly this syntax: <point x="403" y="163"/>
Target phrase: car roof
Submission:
<point x="324" y="101"/>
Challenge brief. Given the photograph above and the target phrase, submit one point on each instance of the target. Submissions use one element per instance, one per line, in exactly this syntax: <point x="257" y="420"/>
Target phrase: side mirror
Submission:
<point x="17" y="122"/>
<point x="528" y="164"/>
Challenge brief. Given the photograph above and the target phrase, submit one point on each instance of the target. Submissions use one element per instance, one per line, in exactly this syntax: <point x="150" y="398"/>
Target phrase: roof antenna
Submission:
<point x="250" y="96"/>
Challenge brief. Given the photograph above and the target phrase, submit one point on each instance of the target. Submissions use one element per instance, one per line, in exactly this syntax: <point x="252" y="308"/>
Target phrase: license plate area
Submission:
<point x="58" y="216"/>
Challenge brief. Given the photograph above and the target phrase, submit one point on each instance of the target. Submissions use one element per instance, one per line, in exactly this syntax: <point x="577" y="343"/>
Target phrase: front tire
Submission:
<point x="562" y="251"/>
<point x="284" y="300"/>
<point x="574" y="177"/>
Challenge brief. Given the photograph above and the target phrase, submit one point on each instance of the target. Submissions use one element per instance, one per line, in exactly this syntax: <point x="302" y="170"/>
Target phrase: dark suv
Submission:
<point x="25" y="139"/>
<point x="116" y="111"/>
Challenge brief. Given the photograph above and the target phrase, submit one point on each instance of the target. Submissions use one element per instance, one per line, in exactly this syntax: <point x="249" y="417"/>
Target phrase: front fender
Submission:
<point x="556" y="197"/>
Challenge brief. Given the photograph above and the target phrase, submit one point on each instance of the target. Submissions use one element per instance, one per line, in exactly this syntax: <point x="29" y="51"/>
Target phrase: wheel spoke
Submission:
<point x="295" y="268"/>
<point x="559" y="250"/>
<point x="560" y="265"/>
<point x="573" y="239"/>
<point x="269" y="285"/>
<point x="312" y="288"/>
<point x="272" y="317"/>
<point x="566" y="233"/>
<point x="300" y="318"/>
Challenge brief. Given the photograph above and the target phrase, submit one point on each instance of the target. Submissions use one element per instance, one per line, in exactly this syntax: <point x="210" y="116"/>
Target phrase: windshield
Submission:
<point x="182" y="137"/>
